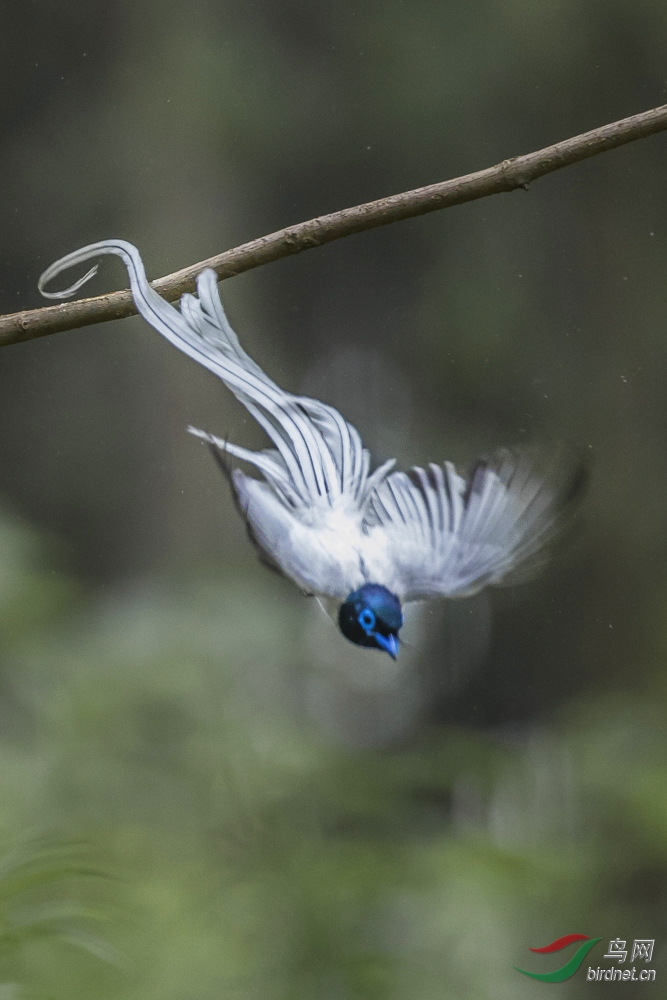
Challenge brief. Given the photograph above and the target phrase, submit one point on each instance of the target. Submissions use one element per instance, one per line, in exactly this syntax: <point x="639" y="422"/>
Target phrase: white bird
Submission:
<point x="363" y="542"/>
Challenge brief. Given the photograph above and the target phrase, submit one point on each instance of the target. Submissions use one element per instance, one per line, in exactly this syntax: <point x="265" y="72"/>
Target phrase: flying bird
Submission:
<point x="364" y="542"/>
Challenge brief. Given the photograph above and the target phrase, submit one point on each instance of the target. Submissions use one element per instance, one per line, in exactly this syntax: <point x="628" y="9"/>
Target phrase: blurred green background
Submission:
<point x="203" y="791"/>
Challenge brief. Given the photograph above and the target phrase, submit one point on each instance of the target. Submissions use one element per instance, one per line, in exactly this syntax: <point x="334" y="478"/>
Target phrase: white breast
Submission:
<point x="322" y="548"/>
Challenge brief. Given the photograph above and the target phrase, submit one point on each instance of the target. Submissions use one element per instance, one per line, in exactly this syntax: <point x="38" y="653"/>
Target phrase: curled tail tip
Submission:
<point x="66" y="293"/>
<point x="121" y="248"/>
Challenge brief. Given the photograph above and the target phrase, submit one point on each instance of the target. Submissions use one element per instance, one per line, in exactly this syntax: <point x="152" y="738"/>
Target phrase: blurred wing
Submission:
<point x="318" y="457"/>
<point x="449" y="537"/>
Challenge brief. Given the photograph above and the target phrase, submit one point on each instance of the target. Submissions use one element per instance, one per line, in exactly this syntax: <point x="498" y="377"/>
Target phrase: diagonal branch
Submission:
<point x="516" y="172"/>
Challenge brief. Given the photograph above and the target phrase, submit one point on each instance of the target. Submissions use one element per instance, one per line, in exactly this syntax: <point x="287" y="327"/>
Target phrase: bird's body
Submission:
<point x="355" y="539"/>
<point x="326" y="551"/>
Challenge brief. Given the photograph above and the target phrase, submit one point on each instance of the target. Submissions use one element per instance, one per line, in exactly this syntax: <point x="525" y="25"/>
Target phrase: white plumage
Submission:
<point x="318" y="513"/>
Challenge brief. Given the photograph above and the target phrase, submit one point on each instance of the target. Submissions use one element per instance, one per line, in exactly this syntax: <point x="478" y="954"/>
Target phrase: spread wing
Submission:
<point x="307" y="512"/>
<point x="448" y="536"/>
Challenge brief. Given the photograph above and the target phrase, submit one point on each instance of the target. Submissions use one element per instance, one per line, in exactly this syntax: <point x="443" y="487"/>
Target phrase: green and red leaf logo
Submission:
<point x="570" y="967"/>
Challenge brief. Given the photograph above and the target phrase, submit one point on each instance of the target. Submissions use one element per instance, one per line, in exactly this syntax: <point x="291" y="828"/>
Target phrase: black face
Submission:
<point x="372" y="617"/>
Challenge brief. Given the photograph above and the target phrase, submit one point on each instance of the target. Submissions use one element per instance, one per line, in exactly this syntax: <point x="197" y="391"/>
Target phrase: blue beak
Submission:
<point x="387" y="642"/>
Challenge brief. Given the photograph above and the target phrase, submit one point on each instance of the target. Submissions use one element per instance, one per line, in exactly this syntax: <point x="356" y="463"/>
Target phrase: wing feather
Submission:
<point x="447" y="536"/>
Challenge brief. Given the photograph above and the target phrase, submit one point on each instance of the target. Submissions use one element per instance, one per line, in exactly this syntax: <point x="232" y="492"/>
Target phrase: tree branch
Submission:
<point x="516" y="172"/>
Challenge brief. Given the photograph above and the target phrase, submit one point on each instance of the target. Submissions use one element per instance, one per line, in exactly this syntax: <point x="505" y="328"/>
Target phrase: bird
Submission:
<point x="364" y="542"/>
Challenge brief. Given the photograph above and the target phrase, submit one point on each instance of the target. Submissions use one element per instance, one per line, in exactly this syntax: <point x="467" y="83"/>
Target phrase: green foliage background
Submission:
<point x="182" y="813"/>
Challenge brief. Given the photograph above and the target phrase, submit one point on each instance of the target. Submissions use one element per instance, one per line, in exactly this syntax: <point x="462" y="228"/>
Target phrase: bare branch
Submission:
<point x="516" y="172"/>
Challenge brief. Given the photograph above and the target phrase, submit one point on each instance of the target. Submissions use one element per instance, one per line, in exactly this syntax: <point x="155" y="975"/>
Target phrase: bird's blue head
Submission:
<point x="372" y="616"/>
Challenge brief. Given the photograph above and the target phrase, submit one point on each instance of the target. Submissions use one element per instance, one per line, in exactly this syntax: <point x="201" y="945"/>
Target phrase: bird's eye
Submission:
<point x="367" y="619"/>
